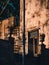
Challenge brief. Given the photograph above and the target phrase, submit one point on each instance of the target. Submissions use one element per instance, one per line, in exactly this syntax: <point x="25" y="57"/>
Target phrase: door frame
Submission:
<point x="36" y="31"/>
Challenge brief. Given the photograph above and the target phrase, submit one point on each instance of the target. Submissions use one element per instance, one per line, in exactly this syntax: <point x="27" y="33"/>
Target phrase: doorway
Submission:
<point x="33" y="39"/>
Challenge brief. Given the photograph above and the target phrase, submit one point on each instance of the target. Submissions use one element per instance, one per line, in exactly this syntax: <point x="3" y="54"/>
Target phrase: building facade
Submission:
<point x="36" y="23"/>
<point x="5" y="26"/>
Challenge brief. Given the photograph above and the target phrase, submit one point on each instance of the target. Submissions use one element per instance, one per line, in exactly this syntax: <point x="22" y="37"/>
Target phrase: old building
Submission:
<point x="36" y="23"/>
<point x="9" y="20"/>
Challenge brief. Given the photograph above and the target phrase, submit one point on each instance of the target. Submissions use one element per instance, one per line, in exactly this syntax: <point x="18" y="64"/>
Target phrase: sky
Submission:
<point x="9" y="7"/>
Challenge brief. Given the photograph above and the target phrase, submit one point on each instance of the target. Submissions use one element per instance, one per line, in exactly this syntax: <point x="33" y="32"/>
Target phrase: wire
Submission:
<point x="4" y="7"/>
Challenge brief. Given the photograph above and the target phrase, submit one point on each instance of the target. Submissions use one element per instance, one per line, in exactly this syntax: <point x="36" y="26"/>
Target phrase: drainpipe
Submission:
<point x="23" y="57"/>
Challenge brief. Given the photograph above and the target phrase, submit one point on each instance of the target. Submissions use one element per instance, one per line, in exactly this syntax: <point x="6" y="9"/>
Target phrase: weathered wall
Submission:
<point x="4" y="27"/>
<point x="36" y="16"/>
